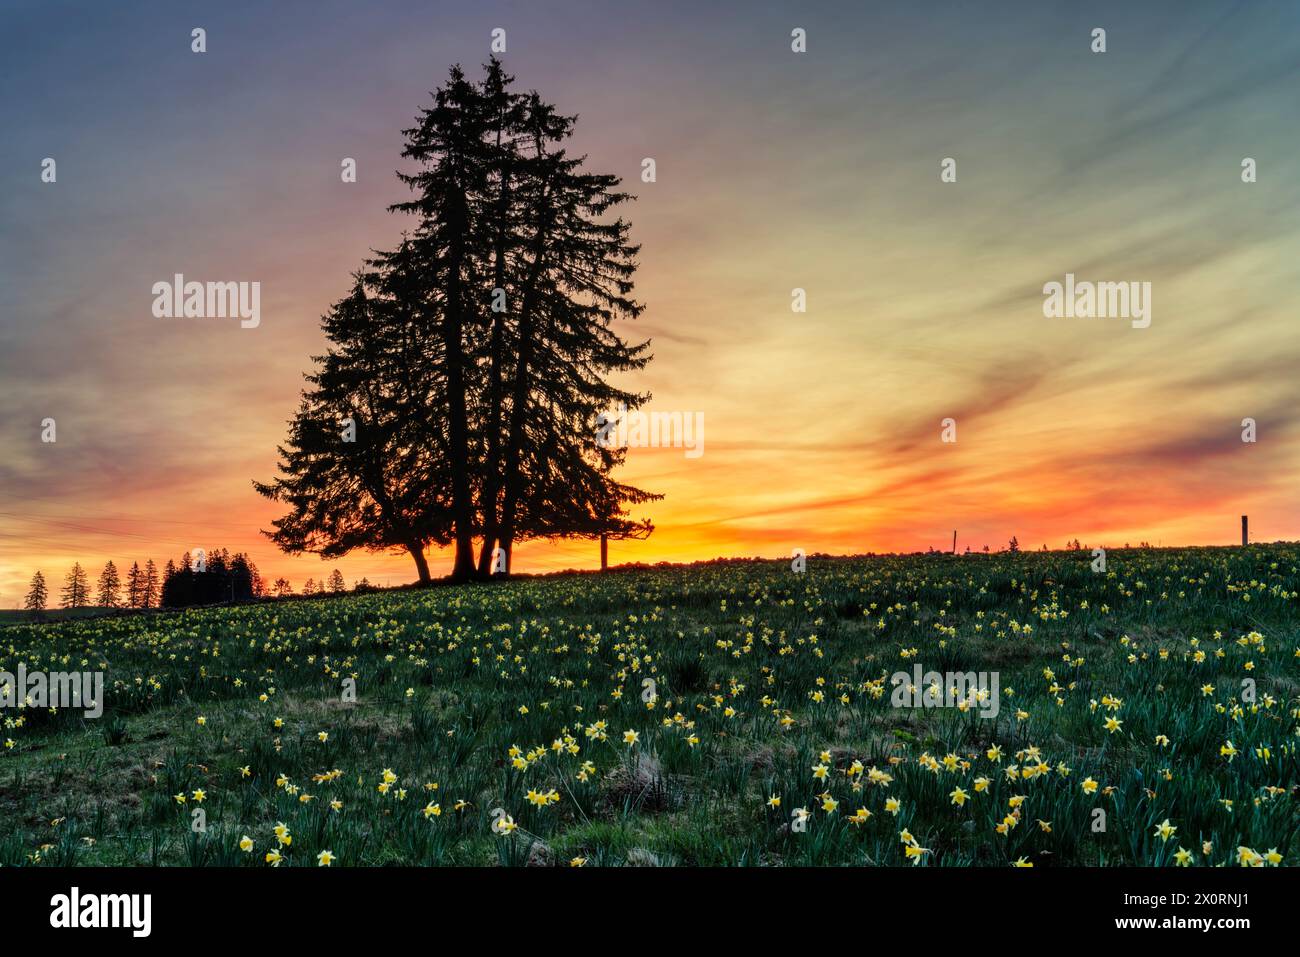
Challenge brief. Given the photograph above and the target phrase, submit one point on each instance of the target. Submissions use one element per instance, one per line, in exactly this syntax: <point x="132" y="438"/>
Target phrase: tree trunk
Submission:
<point x="519" y="408"/>
<point x="515" y="441"/>
<point x="457" y="418"/>
<point x="421" y="563"/>
<point x="491" y="471"/>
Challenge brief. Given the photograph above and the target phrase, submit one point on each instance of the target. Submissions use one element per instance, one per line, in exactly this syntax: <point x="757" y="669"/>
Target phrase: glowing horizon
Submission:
<point x="775" y="171"/>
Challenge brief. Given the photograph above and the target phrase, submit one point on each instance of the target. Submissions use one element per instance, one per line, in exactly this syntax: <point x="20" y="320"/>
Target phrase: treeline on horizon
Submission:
<point x="206" y="578"/>
<point x="234" y="578"/>
<point x="459" y="398"/>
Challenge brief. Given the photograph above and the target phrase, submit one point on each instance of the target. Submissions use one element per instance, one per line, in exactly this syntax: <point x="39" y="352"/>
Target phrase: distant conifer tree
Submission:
<point x="37" y="596"/>
<point x="76" y="588"/>
<point x="134" y="586"/>
<point x="149" y="586"/>
<point x="110" y="587"/>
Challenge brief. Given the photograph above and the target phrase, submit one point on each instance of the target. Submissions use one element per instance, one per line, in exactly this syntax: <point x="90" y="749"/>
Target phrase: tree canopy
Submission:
<point x="458" y="398"/>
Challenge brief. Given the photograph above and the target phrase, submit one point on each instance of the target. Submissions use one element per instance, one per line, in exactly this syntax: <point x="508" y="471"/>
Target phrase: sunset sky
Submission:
<point x="775" y="170"/>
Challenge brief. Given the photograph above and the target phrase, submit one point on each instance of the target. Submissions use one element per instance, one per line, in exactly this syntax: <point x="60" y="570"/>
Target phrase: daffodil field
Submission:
<point x="724" y="714"/>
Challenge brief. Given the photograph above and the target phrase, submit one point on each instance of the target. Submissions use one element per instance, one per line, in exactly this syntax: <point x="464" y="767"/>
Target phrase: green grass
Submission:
<point x="759" y="677"/>
<point x="16" y="616"/>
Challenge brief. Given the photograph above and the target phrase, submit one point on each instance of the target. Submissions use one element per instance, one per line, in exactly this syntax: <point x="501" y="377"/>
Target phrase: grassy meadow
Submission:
<point x="721" y="714"/>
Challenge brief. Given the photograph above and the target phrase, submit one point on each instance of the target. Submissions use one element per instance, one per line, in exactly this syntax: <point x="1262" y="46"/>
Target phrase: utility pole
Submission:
<point x="954" y="541"/>
<point x="1245" y="533"/>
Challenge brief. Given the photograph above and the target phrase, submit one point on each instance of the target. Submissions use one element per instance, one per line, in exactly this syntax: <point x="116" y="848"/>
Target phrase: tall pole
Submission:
<point x="954" y="541"/>
<point x="1245" y="534"/>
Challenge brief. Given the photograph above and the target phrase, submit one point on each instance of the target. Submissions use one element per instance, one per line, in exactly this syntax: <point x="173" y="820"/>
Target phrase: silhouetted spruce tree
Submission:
<point x="505" y="112"/>
<point x="378" y="482"/>
<point x="572" y="278"/>
<point x="178" y="586"/>
<point x="134" y="586"/>
<point x="240" y="579"/>
<point x="76" y="587"/>
<point x="474" y="359"/>
<point x="224" y="578"/>
<point x="149" y="587"/>
<point x="504" y="206"/>
<point x="451" y="186"/>
<point x="110" y="587"/>
<point x="37" y="596"/>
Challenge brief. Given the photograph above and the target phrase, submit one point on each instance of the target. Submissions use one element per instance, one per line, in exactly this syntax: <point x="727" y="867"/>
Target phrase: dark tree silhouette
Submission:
<point x="76" y="588"/>
<point x="37" y="596"/>
<point x="377" y="481"/>
<point x="110" y="587"/>
<point x="149" y="586"/>
<point x="448" y="144"/>
<point x="570" y="274"/>
<point x="459" y="397"/>
<point x="134" y="586"/>
<point x="224" y="578"/>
